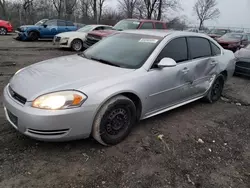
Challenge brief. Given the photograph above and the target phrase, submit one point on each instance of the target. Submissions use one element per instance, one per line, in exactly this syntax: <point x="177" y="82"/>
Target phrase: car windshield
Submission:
<point x="218" y="32"/>
<point x="123" y="50"/>
<point x="126" y="24"/>
<point x="230" y="36"/>
<point x="86" y="28"/>
<point x="41" y="22"/>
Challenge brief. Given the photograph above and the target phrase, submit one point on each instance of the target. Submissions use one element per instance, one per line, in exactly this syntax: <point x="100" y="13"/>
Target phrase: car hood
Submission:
<point x="30" y="26"/>
<point x="214" y="35"/>
<point x="103" y="33"/>
<point x="243" y="53"/>
<point x="220" y="40"/>
<point x="72" y="34"/>
<point x="64" y="73"/>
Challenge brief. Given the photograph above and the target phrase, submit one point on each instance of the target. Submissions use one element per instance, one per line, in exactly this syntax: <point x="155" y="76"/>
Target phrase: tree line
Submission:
<point x="21" y="12"/>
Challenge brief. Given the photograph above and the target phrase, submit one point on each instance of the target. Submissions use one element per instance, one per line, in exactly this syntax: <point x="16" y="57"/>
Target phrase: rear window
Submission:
<point x="70" y="23"/>
<point x="159" y="26"/>
<point x="199" y="47"/>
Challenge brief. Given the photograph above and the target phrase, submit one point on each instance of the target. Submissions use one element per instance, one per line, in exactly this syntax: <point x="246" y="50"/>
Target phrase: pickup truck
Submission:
<point x="126" y="24"/>
<point x="44" y="29"/>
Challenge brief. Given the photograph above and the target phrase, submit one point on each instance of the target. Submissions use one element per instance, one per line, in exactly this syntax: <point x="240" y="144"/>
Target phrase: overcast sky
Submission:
<point x="234" y="13"/>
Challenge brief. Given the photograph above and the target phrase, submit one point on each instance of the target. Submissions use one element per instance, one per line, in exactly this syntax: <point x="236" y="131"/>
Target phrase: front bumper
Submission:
<point x="48" y="125"/>
<point x="21" y="35"/>
<point x="57" y="41"/>
<point x="243" y="67"/>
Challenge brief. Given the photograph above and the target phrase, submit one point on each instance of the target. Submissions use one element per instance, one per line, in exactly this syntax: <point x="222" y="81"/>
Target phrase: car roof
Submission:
<point x="164" y="33"/>
<point x="99" y="25"/>
<point x="145" y="20"/>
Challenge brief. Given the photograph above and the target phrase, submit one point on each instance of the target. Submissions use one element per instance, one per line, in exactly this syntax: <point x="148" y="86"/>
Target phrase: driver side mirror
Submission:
<point x="167" y="62"/>
<point x="45" y="25"/>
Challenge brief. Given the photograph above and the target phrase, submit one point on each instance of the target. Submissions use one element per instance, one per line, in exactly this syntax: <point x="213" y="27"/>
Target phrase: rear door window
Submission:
<point x="61" y="23"/>
<point x="147" y="25"/>
<point x="159" y="26"/>
<point x="175" y="49"/>
<point x="215" y="49"/>
<point x="199" y="47"/>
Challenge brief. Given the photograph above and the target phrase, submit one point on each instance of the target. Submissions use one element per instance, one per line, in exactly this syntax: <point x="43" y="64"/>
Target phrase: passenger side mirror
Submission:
<point x="45" y="25"/>
<point x="167" y="62"/>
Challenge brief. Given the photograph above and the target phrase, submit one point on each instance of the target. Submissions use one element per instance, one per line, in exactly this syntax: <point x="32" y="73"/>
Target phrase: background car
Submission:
<point x="216" y="33"/>
<point x="5" y="27"/>
<point x="243" y="61"/>
<point x="233" y="41"/>
<point x="126" y="24"/>
<point x="75" y="39"/>
<point x="44" y="29"/>
<point x="124" y="78"/>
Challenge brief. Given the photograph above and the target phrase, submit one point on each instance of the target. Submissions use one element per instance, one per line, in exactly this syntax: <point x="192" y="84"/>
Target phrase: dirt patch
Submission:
<point x="175" y="159"/>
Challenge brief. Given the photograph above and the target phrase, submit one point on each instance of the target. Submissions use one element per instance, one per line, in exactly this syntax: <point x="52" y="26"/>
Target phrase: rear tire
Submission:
<point x="114" y="121"/>
<point x="3" y="31"/>
<point x="33" y="36"/>
<point x="216" y="89"/>
<point x="77" y="45"/>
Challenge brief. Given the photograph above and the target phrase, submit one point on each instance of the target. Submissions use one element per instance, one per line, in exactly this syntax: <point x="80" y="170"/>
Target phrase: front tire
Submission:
<point x="114" y="121"/>
<point x="3" y="31"/>
<point x="77" y="45"/>
<point x="216" y="89"/>
<point x="33" y="36"/>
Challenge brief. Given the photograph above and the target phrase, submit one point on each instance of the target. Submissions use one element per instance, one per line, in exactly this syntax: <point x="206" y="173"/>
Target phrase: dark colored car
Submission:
<point x="127" y="24"/>
<point x="5" y="27"/>
<point x="243" y="61"/>
<point x="216" y="33"/>
<point x="44" y="29"/>
<point x="233" y="41"/>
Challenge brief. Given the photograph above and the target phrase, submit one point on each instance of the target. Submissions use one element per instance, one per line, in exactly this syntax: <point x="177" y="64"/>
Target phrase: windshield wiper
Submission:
<point x="105" y="62"/>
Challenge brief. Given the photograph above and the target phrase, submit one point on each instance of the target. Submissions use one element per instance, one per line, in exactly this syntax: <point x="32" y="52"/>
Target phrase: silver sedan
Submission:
<point x="124" y="78"/>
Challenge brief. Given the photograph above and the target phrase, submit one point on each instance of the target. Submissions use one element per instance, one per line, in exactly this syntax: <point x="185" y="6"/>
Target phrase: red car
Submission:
<point x="5" y="27"/>
<point x="233" y="41"/>
<point x="127" y="24"/>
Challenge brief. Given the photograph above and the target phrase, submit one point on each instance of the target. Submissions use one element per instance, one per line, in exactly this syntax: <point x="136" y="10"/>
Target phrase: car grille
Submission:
<point x="243" y="64"/>
<point x="48" y="132"/>
<point x="16" y="96"/>
<point x="57" y="39"/>
<point x="92" y="39"/>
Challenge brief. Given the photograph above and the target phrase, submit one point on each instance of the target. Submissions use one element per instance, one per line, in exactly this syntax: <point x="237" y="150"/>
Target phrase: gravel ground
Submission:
<point x="204" y="145"/>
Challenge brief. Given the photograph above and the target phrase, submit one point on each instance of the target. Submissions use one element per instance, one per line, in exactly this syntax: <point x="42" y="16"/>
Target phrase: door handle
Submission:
<point x="185" y="70"/>
<point x="213" y="62"/>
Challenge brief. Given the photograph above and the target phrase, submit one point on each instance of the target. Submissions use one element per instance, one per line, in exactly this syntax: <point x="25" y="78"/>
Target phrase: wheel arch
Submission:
<point x="129" y="94"/>
<point x="34" y="30"/>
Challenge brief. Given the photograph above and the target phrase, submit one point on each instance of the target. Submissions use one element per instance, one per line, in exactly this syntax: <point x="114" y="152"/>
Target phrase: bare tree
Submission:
<point x="128" y="6"/>
<point x="3" y="7"/>
<point x="150" y="7"/>
<point x="100" y="6"/>
<point x="58" y="4"/>
<point x="69" y="8"/>
<point x="206" y="10"/>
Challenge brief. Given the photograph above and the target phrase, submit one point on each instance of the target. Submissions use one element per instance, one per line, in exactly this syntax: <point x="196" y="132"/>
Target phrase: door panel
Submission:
<point x="168" y="86"/>
<point x="202" y="73"/>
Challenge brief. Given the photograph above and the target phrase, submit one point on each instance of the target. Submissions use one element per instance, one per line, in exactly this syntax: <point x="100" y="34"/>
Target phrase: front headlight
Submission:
<point x="65" y="39"/>
<point x="59" y="100"/>
<point x="23" y="28"/>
